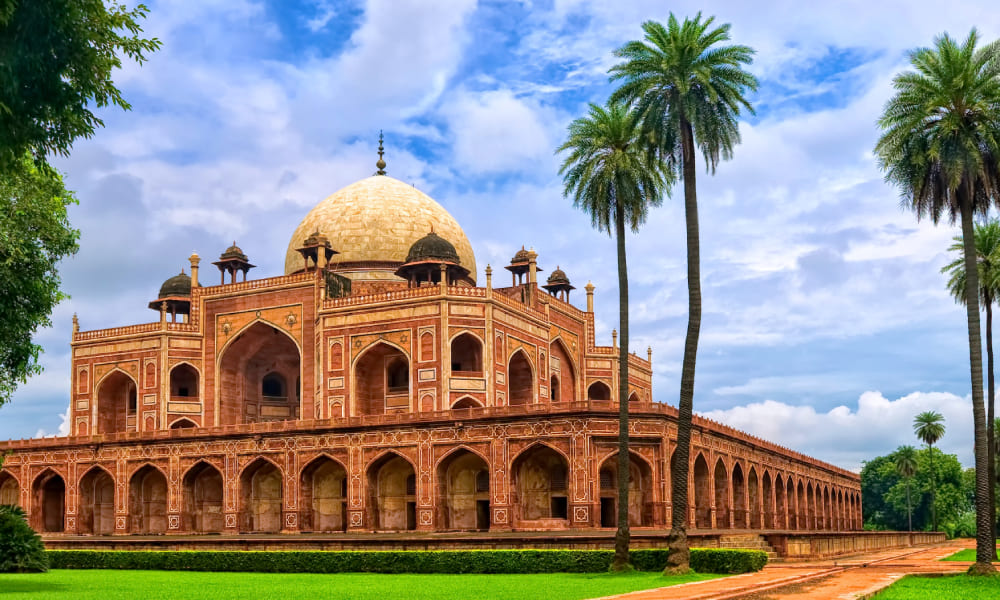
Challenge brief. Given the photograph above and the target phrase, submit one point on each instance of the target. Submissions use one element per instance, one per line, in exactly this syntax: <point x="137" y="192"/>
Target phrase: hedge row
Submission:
<point x="705" y="560"/>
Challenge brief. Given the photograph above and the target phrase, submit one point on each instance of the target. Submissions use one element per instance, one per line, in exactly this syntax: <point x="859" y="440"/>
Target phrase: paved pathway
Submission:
<point x="836" y="579"/>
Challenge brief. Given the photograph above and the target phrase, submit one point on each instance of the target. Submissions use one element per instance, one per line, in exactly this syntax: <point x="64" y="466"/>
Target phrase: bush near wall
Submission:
<point x="704" y="560"/>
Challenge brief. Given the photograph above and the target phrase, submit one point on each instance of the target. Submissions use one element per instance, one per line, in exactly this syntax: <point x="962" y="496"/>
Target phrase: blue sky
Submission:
<point x="826" y="324"/>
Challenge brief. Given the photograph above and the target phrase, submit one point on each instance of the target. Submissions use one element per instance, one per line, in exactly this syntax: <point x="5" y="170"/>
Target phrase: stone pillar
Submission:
<point x="501" y="502"/>
<point x="121" y="497"/>
<point x="290" y="500"/>
<point x="194" y="259"/>
<point x="175" y="494"/>
<point x="425" y="486"/>
<point x="590" y="296"/>
<point x="357" y="486"/>
<point x="231" y="495"/>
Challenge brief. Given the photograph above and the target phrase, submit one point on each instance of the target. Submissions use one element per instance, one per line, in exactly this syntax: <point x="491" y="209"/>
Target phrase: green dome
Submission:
<point x="433" y="247"/>
<point x="178" y="285"/>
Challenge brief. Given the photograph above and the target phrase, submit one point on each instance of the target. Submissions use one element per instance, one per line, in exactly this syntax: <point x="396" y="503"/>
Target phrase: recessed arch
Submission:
<point x="185" y="382"/>
<point x="564" y="386"/>
<point x="722" y="506"/>
<point x="323" y="489"/>
<point x="262" y="494"/>
<point x="392" y="490"/>
<point x="117" y="402"/>
<point x="183" y="423"/>
<point x="203" y="498"/>
<point x="463" y="490"/>
<point x="10" y="489"/>
<point x="257" y="350"/>
<point x="48" y="499"/>
<point x="466" y="402"/>
<point x="148" y="500"/>
<point x="541" y="483"/>
<point x="640" y="496"/>
<point x="520" y="379"/>
<point x="599" y="391"/>
<point x="757" y="495"/>
<point x="741" y="514"/>
<point x="97" y="502"/>
<point x="780" y="503"/>
<point x="466" y="352"/>
<point x="800" y="506"/>
<point x="702" y="493"/>
<point x="381" y="379"/>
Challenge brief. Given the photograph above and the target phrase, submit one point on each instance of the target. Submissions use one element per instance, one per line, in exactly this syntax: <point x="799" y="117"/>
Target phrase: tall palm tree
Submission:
<point x="929" y="427"/>
<point x="940" y="146"/>
<point x="689" y="90"/>
<point x="906" y="466"/>
<point x="613" y="178"/>
<point x="987" y="243"/>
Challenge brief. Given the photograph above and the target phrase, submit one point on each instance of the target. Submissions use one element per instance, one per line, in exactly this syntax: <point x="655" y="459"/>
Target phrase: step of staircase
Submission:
<point x="748" y="542"/>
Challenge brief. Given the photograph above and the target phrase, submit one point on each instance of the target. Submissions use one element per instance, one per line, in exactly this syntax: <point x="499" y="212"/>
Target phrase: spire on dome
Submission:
<point x="381" y="161"/>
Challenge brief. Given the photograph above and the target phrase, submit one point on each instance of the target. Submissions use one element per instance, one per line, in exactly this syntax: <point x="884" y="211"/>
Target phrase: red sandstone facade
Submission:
<point x="272" y="406"/>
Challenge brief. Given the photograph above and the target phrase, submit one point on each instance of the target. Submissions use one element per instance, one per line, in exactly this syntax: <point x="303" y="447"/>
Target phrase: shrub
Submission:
<point x="21" y="549"/>
<point x="707" y="560"/>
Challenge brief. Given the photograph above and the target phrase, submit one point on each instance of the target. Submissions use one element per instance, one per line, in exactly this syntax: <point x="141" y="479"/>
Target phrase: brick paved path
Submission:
<point x="840" y="579"/>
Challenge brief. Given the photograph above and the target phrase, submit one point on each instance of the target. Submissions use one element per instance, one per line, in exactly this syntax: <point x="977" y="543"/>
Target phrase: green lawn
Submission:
<point x="150" y="585"/>
<point x="969" y="555"/>
<point x="956" y="587"/>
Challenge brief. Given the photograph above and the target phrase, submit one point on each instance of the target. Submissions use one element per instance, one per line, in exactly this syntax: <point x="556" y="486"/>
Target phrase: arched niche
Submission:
<point x="147" y="492"/>
<point x="259" y="351"/>
<point x="466" y="402"/>
<point x="261" y="493"/>
<point x="323" y="486"/>
<point x="97" y="502"/>
<point x="184" y="383"/>
<point x="563" y="384"/>
<point x="183" y="424"/>
<point x="741" y="516"/>
<point x="754" y="518"/>
<point x="10" y="491"/>
<point x="520" y="380"/>
<point x="117" y="403"/>
<point x="203" y="495"/>
<point x="722" y="507"/>
<point x="466" y="356"/>
<point x="463" y="490"/>
<point x="599" y="391"/>
<point x="392" y="487"/>
<point x="702" y="494"/>
<point x="49" y="502"/>
<point x="780" y="504"/>
<point x="540" y="478"/>
<point x="640" y="492"/>
<point x="381" y="380"/>
<point x="768" y="518"/>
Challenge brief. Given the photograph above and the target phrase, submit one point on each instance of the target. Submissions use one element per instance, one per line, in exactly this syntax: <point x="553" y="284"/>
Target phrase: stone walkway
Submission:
<point x="836" y="579"/>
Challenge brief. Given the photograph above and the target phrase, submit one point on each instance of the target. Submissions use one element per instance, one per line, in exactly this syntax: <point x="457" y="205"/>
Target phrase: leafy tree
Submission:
<point x="689" y="90"/>
<point x="987" y="243"/>
<point x="56" y="60"/>
<point x="906" y="466"/>
<point x="34" y="236"/>
<point x="21" y="549"/>
<point x="612" y="177"/>
<point x="940" y="147"/>
<point x="883" y="491"/>
<point x="929" y="427"/>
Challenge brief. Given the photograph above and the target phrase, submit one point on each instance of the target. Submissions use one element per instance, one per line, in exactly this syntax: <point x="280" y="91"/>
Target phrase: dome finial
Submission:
<point x="381" y="161"/>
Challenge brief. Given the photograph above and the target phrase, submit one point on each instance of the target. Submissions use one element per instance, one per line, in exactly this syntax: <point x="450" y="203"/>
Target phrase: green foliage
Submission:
<point x="707" y="560"/>
<point x="987" y="242"/>
<point x="21" y="549"/>
<point x="34" y="236"/>
<point x="929" y="427"/>
<point x="883" y="491"/>
<point x="56" y="60"/>
<point x="915" y="587"/>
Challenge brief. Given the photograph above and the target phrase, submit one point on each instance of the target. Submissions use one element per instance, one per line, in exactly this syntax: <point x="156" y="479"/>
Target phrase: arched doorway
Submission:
<point x="722" y="507"/>
<point x="702" y="494"/>
<point x="466" y="356"/>
<point x="10" y="491"/>
<point x="640" y="497"/>
<point x="810" y="507"/>
<point x="262" y="494"/>
<point x="324" y="495"/>
<point x="116" y="403"/>
<point x="540" y="478"/>
<point x="741" y="515"/>
<point x="563" y="376"/>
<point x="758" y="498"/>
<point x="392" y="486"/>
<point x="599" y="391"/>
<point x="792" y="516"/>
<point x="203" y="491"/>
<point x="184" y="383"/>
<point x="800" y="508"/>
<point x="463" y="479"/>
<point x="259" y="356"/>
<point x="381" y="380"/>
<point x="147" y="491"/>
<point x="49" y="500"/>
<point x="780" y="512"/>
<point x="97" y="502"/>
<point x="520" y="380"/>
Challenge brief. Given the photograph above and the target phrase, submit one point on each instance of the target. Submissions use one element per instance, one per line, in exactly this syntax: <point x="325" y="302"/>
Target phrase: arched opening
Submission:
<point x="722" y="507"/>
<point x="147" y="493"/>
<point x="780" y="512"/>
<point x="840" y="510"/>
<point x="49" y="500"/>
<point x="184" y="383"/>
<point x="261" y="494"/>
<point x="203" y="491"/>
<point x="741" y="516"/>
<point x="520" y="388"/>
<point x="463" y="479"/>
<point x="792" y="516"/>
<point x="466" y="356"/>
<point x="541" y="484"/>
<point x="702" y="494"/>
<point x="324" y="496"/>
<point x="392" y="487"/>
<point x="259" y="358"/>
<point x="116" y="404"/>
<point x="633" y="397"/>
<point x="97" y="502"/>
<point x="183" y="424"/>
<point x="827" y="510"/>
<point x="563" y="376"/>
<point x="640" y="496"/>
<point x="761" y="509"/>
<point x="810" y="507"/>
<point x="381" y="381"/>
<point x="599" y="391"/>
<point x="800" y="506"/>
<point x="466" y="402"/>
<point x="10" y="491"/>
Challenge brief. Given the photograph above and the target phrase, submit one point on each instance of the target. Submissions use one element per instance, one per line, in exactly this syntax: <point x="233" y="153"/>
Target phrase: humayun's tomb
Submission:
<point x="377" y="386"/>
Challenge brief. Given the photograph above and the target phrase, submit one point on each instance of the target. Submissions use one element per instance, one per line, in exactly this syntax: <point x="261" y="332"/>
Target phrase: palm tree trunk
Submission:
<point x="909" y="511"/>
<point x="930" y="463"/>
<point x="990" y="401"/>
<point x="984" y="538"/>
<point x="678" y="558"/>
<point x="623" y="535"/>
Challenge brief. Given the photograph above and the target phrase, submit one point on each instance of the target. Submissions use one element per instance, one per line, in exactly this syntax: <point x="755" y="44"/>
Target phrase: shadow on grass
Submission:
<point x="30" y="586"/>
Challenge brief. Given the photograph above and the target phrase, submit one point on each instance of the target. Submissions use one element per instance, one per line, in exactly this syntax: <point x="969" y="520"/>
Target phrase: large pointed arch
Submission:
<point x="323" y="484"/>
<point x="599" y="391"/>
<point x="48" y="501"/>
<point x="381" y="379"/>
<point x="540" y="483"/>
<point x="466" y="353"/>
<point x="562" y="379"/>
<point x="97" y="502"/>
<point x="204" y="493"/>
<point x="741" y="497"/>
<point x="640" y="496"/>
<point x="463" y="490"/>
<point x="261" y="496"/>
<point x="10" y="489"/>
<point x="520" y="379"/>
<point x="259" y="348"/>
<point x="117" y="401"/>
<point x="723" y="509"/>
<point x="392" y="492"/>
<point x="702" y="493"/>
<point x="147" y="500"/>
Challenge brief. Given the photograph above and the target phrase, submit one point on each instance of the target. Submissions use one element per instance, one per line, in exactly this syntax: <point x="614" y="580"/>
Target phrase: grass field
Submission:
<point x="151" y="585"/>
<point x="969" y="555"/>
<point x="956" y="587"/>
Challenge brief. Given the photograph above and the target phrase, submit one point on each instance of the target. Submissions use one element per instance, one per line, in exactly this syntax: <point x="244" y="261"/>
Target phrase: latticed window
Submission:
<point x="607" y="479"/>
<point x="483" y="481"/>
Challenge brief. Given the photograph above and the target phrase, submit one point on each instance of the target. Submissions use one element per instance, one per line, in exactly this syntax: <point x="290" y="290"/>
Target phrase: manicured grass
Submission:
<point x="152" y="585"/>
<point x="954" y="587"/>
<point x="968" y="555"/>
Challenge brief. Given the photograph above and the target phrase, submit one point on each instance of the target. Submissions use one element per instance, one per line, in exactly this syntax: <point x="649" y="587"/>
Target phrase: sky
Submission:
<point x="826" y="325"/>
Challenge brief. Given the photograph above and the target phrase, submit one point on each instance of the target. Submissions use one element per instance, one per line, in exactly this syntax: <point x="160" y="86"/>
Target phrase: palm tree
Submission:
<point x="689" y="91"/>
<point x="940" y="146"/>
<point x="906" y="466"/>
<point x="612" y="177"/>
<point x="929" y="427"/>
<point x="987" y="243"/>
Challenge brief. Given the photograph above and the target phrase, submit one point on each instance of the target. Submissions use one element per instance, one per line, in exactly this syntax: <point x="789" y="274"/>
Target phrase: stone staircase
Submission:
<point x="748" y="541"/>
